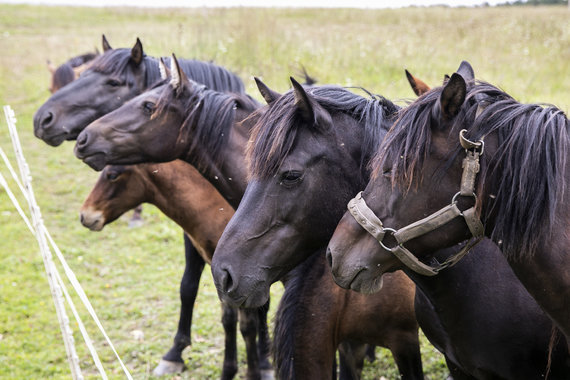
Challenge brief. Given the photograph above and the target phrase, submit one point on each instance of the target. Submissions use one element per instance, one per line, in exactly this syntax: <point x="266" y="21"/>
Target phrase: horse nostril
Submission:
<point x="82" y="140"/>
<point x="227" y="281"/>
<point x="81" y="218"/>
<point x="329" y="257"/>
<point x="47" y="120"/>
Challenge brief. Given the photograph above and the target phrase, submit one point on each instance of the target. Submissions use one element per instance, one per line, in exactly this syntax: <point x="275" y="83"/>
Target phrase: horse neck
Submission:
<point x="227" y="173"/>
<point x="183" y="195"/>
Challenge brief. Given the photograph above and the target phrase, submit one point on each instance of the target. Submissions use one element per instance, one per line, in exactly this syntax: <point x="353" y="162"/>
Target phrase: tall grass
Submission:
<point x="131" y="275"/>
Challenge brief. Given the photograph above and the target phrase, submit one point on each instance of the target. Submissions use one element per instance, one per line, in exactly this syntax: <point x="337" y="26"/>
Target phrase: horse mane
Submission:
<point x="64" y="73"/>
<point x="81" y="59"/>
<point x="287" y="317"/>
<point x="209" y="117"/>
<point x="115" y="62"/>
<point x="525" y="177"/>
<point x="274" y="134"/>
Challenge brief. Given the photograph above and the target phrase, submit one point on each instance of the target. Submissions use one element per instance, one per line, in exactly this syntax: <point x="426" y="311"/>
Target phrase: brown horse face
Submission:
<point x="358" y="261"/>
<point x="132" y="134"/>
<point x="118" y="190"/>
<point x="68" y="111"/>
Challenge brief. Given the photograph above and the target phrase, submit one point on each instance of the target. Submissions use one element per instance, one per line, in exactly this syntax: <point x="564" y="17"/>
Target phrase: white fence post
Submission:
<point x="37" y="222"/>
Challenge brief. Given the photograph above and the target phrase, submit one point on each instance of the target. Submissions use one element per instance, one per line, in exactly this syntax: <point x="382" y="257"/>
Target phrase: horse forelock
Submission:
<point x="208" y="118"/>
<point x="532" y="139"/>
<point x="274" y="134"/>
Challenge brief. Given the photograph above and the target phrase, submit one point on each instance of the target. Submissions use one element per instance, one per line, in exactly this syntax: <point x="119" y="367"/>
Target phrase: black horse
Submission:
<point x="493" y="327"/>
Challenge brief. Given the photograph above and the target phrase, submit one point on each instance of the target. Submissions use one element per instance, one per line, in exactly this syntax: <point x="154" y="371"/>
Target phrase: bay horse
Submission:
<point x="114" y="77"/>
<point x="203" y="127"/>
<point x="418" y="168"/>
<point x="182" y="194"/>
<point x="69" y="71"/>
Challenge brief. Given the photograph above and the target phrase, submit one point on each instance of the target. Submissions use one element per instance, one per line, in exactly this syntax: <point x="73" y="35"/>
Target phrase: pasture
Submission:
<point x="132" y="274"/>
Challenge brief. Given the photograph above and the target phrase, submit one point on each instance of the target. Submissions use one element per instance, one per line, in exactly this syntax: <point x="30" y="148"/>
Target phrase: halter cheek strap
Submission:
<point x="371" y="223"/>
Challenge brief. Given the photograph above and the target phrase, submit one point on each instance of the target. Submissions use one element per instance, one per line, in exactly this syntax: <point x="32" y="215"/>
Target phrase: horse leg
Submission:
<point x="405" y="348"/>
<point x="351" y="358"/>
<point x="263" y="342"/>
<point x="136" y="218"/>
<point x="229" y="321"/>
<point x="172" y="362"/>
<point x="248" y="324"/>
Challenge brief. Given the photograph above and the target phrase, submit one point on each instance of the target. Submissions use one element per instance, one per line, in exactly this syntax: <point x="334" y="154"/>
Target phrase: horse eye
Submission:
<point x="113" y="83"/>
<point x="112" y="176"/>
<point x="291" y="177"/>
<point x="387" y="173"/>
<point x="148" y="107"/>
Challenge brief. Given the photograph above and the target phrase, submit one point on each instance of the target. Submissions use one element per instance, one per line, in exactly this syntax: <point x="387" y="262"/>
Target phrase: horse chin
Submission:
<point x="367" y="284"/>
<point x="253" y="299"/>
<point x="53" y="140"/>
<point x="96" y="161"/>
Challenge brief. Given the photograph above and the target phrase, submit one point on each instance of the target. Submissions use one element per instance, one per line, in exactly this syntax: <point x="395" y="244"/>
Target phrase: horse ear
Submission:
<point x="106" y="45"/>
<point x="178" y="76"/>
<point x="268" y="94"/>
<point x="309" y="110"/>
<point x="445" y="79"/>
<point x="418" y="85"/>
<point x="137" y="52"/>
<point x="50" y="66"/>
<point x="164" y="71"/>
<point x="466" y="71"/>
<point x="453" y="96"/>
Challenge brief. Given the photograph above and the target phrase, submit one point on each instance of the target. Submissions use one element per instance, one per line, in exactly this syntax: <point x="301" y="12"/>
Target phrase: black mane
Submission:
<point x="115" y="62"/>
<point x="526" y="176"/>
<point x="275" y="132"/>
<point x="209" y="117"/>
<point x="291" y="310"/>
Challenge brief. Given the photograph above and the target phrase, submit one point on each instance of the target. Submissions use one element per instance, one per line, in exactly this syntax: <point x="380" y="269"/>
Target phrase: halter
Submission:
<point x="371" y="223"/>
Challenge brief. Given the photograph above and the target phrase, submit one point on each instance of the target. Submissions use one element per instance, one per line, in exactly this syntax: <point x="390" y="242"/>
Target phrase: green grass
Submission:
<point x="132" y="275"/>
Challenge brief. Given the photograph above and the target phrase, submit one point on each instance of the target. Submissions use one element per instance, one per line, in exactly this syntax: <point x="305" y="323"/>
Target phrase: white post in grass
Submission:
<point x="50" y="268"/>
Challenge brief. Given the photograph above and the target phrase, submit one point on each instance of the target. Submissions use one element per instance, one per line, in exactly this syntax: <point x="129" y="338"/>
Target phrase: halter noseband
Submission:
<point x="371" y="223"/>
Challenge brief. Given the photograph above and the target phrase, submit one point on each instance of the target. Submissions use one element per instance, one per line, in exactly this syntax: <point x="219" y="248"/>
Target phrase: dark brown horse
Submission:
<point x="69" y="71"/>
<point x="418" y="169"/>
<point x="316" y="311"/>
<point x="307" y="156"/>
<point x="182" y="194"/>
<point x="114" y="77"/>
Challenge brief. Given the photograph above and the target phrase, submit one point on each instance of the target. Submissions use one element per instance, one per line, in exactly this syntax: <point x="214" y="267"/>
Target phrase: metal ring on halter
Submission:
<point x="392" y="231"/>
<point x="454" y="199"/>
<point x="474" y="145"/>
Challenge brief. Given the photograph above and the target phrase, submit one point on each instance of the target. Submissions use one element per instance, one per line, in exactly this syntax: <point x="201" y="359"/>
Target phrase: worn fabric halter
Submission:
<point x="371" y="223"/>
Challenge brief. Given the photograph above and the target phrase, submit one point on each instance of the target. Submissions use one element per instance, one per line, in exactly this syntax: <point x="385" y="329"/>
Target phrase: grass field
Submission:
<point x="132" y="275"/>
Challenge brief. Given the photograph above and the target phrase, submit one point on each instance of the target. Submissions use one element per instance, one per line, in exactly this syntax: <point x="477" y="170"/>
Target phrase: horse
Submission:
<point x="417" y="169"/>
<point x="69" y="71"/>
<point x="183" y="195"/>
<point x="307" y="156"/>
<point x="205" y="128"/>
<point x="114" y="77"/>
